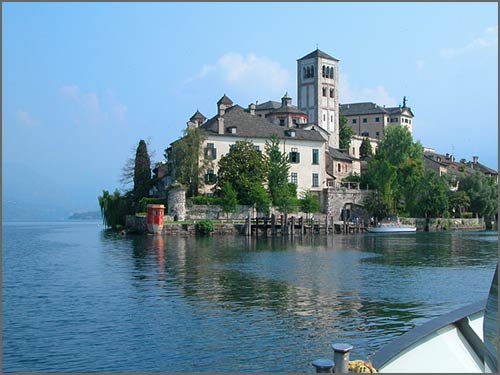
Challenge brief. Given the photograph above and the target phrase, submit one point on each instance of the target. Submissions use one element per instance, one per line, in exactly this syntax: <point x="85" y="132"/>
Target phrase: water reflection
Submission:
<point x="304" y="292"/>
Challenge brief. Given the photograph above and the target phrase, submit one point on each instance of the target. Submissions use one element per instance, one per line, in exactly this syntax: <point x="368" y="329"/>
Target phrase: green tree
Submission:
<point x="243" y="167"/>
<point x="458" y="201"/>
<point x="396" y="169"/>
<point x="377" y="206"/>
<point x="345" y="133"/>
<point x="365" y="150"/>
<point x="188" y="160"/>
<point x="432" y="199"/>
<point x="259" y="198"/>
<point x="228" y="199"/>
<point x="142" y="172"/>
<point x="309" y="203"/>
<point x="278" y="168"/>
<point x="483" y="193"/>
<point x="114" y="207"/>
<point x="287" y="198"/>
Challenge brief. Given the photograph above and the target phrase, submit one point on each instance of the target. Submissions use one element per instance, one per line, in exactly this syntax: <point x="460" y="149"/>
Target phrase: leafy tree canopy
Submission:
<point x="243" y="167"/>
<point x="365" y="150"/>
<point x="483" y="193"/>
<point x="345" y="133"/>
<point x="278" y="168"/>
<point x="432" y="199"/>
<point x="188" y="160"/>
<point x="142" y="172"/>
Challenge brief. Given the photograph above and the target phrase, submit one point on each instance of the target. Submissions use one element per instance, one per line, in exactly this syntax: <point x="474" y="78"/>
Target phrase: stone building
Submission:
<point x="318" y="92"/>
<point x="370" y="119"/>
<point x="306" y="147"/>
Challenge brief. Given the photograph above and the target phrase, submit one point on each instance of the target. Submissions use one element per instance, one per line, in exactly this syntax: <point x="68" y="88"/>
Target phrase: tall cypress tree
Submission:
<point x="142" y="172"/>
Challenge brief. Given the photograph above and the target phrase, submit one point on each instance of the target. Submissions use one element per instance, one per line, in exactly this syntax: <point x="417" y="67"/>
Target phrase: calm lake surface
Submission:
<point x="78" y="299"/>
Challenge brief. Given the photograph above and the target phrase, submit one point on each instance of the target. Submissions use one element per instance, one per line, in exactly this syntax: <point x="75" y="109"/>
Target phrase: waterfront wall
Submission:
<point x="439" y="224"/>
<point x="336" y="199"/>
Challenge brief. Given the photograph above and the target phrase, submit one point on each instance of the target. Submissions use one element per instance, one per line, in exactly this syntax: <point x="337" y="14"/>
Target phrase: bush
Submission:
<point x="467" y="215"/>
<point x="201" y="199"/>
<point x="143" y="203"/>
<point x="204" y="227"/>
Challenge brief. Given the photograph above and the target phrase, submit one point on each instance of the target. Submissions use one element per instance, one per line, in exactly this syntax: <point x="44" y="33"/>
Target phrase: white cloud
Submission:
<point x="25" y="119"/>
<point x="90" y="105"/>
<point x="249" y="73"/>
<point x="378" y="95"/>
<point x="489" y="38"/>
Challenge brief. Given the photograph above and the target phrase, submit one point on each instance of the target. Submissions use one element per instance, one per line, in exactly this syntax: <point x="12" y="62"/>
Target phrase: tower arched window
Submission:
<point x="327" y="73"/>
<point x="308" y="74"/>
<point x="331" y="93"/>
<point x="324" y="91"/>
<point x="312" y="71"/>
<point x="331" y="72"/>
<point x="304" y="73"/>
<point x="323" y="71"/>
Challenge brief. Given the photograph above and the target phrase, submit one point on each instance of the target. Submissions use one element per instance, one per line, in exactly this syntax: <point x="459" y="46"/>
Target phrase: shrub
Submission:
<point x="201" y="199"/>
<point x="204" y="227"/>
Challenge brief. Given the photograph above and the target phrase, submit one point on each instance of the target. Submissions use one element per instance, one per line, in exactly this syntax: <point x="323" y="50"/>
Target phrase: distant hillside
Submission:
<point x="91" y="215"/>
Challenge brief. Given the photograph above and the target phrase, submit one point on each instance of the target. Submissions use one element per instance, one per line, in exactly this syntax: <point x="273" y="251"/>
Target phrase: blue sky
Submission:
<point x="84" y="82"/>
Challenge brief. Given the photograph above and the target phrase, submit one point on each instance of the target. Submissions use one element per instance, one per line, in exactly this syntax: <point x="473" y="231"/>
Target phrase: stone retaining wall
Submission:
<point x="438" y="224"/>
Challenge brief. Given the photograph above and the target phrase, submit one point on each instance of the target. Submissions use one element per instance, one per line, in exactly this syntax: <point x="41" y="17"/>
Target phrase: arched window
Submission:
<point x="305" y="73"/>
<point x="323" y="71"/>
<point x="308" y="75"/>
<point x="331" y="93"/>
<point x="331" y="72"/>
<point x="312" y="71"/>
<point x="339" y="167"/>
<point x="324" y="91"/>
<point x="327" y="73"/>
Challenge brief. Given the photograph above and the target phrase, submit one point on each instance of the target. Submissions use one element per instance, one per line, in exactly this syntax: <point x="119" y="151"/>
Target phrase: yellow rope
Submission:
<point x="360" y="367"/>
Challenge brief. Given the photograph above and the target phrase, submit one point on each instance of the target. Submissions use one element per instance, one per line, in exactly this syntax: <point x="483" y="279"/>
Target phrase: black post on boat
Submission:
<point x="323" y="365"/>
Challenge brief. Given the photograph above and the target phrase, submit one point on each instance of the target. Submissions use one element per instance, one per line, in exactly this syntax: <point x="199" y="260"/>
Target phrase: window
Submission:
<point x="305" y="72"/>
<point x="282" y="121"/>
<point x="210" y="177"/>
<point x="315" y="156"/>
<point x="294" y="178"/>
<point x="312" y="71"/>
<point x="294" y="156"/>
<point x="331" y="118"/>
<point x="354" y="121"/>
<point x="339" y="167"/>
<point x="377" y="134"/>
<point x="323" y="71"/>
<point x="324" y="91"/>
<point x="232" y="130"/>
<point x="364" y="120"/>
<point x="331" y="93"/>
<point x="377" y="119"/>
<point x="353" y="151"/>
<point x="315" y="180"/>
<point x="365" y="134"/>
<point x="324" y="117"/>
<point x="211" y="151"/>
<point x="256" y="148"/>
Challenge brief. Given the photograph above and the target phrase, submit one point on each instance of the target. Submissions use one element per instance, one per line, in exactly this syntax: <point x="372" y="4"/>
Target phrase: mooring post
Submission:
<point x="323" y="365"/>
<point x="249" y="226"/>
<point x="341" y="358"/>
<point x="293" y="225"/>
<point x="312" y="225"/>
<point x="273" y="224"/>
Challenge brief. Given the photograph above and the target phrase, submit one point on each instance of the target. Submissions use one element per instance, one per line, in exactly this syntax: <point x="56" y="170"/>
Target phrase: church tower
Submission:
<point x="318" y="92"/>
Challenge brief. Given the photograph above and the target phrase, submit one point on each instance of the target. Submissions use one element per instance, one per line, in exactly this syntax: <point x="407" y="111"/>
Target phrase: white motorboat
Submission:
<point x="463" y="341"/>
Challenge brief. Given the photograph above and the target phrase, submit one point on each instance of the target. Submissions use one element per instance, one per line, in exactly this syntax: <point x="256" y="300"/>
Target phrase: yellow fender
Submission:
<point x="360" y="367"/>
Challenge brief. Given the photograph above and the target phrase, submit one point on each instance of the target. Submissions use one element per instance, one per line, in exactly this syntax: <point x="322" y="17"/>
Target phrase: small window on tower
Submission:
<point x="324" y="91"/>
<point x="331" y="93"/>
<point x="323" y="71"/>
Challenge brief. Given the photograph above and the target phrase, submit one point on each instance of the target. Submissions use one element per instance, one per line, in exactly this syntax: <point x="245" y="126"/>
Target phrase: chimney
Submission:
<point x="220" y="125"/>
<point x="251" y="109"/>
<point x="475" y="159"/>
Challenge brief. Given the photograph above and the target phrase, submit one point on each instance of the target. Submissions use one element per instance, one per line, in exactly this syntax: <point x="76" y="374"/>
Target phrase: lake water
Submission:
<point x="78" y="299"/>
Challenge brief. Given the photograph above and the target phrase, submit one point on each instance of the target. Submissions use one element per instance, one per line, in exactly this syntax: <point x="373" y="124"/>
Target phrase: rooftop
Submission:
<point x="318" y="53"/>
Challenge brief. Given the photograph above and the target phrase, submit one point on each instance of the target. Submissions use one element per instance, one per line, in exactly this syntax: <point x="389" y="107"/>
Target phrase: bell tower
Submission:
<point x="318" y="92"/>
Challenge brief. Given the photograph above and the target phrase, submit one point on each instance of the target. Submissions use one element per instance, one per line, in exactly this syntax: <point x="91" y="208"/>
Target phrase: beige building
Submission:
<point x="305" y="148"/>
<point x="370" y="119"/>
